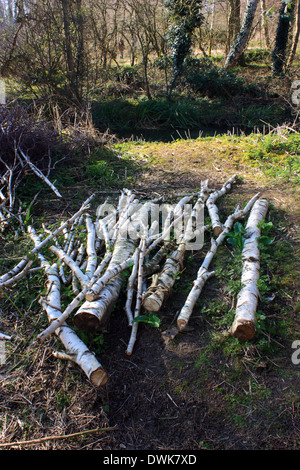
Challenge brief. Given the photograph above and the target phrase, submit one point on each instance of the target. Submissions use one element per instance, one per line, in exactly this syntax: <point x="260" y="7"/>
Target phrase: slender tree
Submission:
<point x="282" y="36"/>
<point x="234" y="21"/>
<point x="243" y="36"/>
<point x="296" y="35"/>
<point x="185" y="17"/>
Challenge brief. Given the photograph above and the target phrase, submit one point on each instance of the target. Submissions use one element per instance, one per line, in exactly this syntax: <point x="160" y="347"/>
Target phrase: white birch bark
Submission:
<point x="130" y="287"/>
<point x="244" y="324"/>
<point x="90" y="248"/>
<point x="203" y="273"/>
<point x="140" y="282"/>
<point x="95" y="290"/>
<point x="76" y="350"/>
<point x="162" y="283"/>
<point x="75" y="302"/>
<point x="4" y="337"/>
<point x="82" y="278"/>
<point x="5" y="278"/>
<point x="212" y="208"/>
<point x="92" y="315"/>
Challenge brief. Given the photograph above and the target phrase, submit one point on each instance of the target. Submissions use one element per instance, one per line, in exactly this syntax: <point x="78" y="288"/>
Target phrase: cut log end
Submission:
<point x="99" y="377"/>
<point x="86" y="322"/>
<point x="151" y="304"/>
<point x="217" y="230"/>
<point x="181" y="324"/>
<point x="244" y="331"/>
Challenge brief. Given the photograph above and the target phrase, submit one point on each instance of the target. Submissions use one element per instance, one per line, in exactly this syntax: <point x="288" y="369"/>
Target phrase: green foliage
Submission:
<point x="63" y="399"/>
<point x="139" y="115"/>
<point x="256" y="56"/>
<point x="277" y="156"/>
<point x="236" y="238"/>
<point x="95" y="343"/>
<point x="150" y="318"/>
<point x="204" y="77"/>
<point x="186" y="16"/>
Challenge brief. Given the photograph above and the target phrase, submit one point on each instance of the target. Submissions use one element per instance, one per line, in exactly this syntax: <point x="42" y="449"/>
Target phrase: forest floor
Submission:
<point x="202" y="389"/>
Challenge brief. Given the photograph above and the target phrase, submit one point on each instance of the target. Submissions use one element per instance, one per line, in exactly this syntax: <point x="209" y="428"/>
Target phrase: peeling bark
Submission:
<point x="243" y="326"/>
<point x="93" y="315"/>
<point x="203" y="273"/>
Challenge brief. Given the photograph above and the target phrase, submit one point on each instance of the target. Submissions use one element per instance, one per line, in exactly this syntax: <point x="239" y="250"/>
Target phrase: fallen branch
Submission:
<point x="74" y="304"/>
<point x="243" y="326"/>
<point x="212" y="208"/>
<point x="77" y="351"/>
<point x="5" y="278"/>
<point x="130" y="286"/>
<point x="203" y="274"/>
<point x="140" y="274"/>
<point x="40" y="174"/>
<point x="57" y="437"/>
<point x="163" y="282"/>
<point x="4" y="337"/>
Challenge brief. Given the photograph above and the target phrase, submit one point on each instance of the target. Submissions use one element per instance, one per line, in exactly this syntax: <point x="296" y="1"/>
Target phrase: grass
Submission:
<point x="184" y="113"/>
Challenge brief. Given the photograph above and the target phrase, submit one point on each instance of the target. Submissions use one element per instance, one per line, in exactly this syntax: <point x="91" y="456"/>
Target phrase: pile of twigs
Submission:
<point x="92" y="253"/>
<point x="27" y="146"/>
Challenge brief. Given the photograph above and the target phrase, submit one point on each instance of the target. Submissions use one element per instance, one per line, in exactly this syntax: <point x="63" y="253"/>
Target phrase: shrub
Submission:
<point x="204" y="77"/>
<point x="19" y="131"/>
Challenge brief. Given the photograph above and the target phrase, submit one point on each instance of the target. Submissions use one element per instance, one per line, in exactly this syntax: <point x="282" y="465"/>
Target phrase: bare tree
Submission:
<point x="296" y="34"/>
<point x="243" y="36"/>
<point x="282" y="36"/>
<point x="234" y="21"/>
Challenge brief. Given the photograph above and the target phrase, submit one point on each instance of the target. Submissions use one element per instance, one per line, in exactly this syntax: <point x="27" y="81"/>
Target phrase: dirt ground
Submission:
<point x="162" y="397"/>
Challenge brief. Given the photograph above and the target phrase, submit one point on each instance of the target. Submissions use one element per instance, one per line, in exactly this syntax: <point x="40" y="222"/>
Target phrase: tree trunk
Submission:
<point x="69" y="50"/>
<point x="234" y="21"/>
<point x="282" y="37"/>
<point x="265" y="23"/>
<point x="296" y="35"/>
<point x="244" y="322"/>
<point x="243" y="36"/>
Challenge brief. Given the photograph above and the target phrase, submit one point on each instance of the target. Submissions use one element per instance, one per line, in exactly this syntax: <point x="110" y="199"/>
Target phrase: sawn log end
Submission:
<point x="244" y="331"/>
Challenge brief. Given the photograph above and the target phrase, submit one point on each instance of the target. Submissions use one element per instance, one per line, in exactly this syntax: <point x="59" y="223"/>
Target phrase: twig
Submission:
<point x="57" y="437"/>
<point x="20" y="266"/>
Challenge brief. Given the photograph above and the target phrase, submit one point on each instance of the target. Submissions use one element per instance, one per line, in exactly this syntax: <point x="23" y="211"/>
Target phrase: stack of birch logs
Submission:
<point x="91" y="255"/>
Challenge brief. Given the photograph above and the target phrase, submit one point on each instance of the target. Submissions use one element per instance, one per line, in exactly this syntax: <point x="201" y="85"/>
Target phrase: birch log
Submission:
<point x="163" y="282"/>
<point x="93" y="315"/>
<point x="203" y="273"/>
<point x="75" y="302"/>
<point x="212" y="208"/>
<point x="130" y="287"/>
<point x="76" y="350"/>
<point x="138" y="305"/>
<point x="243" y="326"/>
